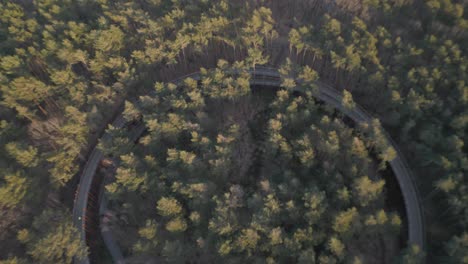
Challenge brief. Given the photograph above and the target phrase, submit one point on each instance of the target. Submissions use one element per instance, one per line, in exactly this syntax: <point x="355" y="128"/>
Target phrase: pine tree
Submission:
<point x="60" y="244"/>
<point x="368" y="190"/>
<point x="347" y="100"/>
<point x="169" y="207"/>
<point x="15" y="190"/>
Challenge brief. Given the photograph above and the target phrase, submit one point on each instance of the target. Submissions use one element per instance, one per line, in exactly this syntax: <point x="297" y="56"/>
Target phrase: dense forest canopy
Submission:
<point x="231" y="175"/>
<point x="68" y="67"/>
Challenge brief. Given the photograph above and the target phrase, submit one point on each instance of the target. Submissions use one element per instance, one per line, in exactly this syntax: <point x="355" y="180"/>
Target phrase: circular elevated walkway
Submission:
<point x="266" y="77"/>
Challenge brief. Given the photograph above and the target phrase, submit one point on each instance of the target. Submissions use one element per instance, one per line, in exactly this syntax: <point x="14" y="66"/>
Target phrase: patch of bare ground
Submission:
<point x="10" y="221"/>
<point x="144" y="260"/>
<point x="376" y="247"/>
<point x="240" y="113"/>
<point x="123" y="235"/>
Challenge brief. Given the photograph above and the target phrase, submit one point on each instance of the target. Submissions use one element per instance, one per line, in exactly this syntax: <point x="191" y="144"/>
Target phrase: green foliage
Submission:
<point x="169" y="207"/>
<point x="25" y="156"/>
<point x="148" y="238"/>
<point x="236" y="169"/>
<point x="13" y="260"/>
<point x="127" y="177"/>
<point x="336" y="247"/>
<point x="346" y="221"/>
<point x="308" y="75"/>
<point x="347" y="100"/>
<point x="412" y="255"/>
<point x="109" y="40"/>
<point x="379" y="141"/>
<point x="315" y="203"/>
<point x="28" y="90"/>
<point x="457" y="248"/>
<point x="61" y="246"/>
<point x="368" y="190"/>
<point x="131" y="113"/>
<point x="176" y="225"/>
<point x="248" y="240"/>
<point x="15" y="189"/>
<point x="202" y="195"/>
<point x="10" y="64"/>
<point x="58" y="244"/>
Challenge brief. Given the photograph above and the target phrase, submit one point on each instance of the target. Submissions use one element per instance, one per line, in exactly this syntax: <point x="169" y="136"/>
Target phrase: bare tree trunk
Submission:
<point x="41" y="108"/>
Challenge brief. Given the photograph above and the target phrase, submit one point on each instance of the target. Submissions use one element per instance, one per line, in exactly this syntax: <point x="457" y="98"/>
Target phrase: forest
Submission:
<point x="225" y="169"/>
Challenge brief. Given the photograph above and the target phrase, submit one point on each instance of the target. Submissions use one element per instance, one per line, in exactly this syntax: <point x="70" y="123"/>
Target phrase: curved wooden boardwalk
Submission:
<point x="266" y="77"/>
